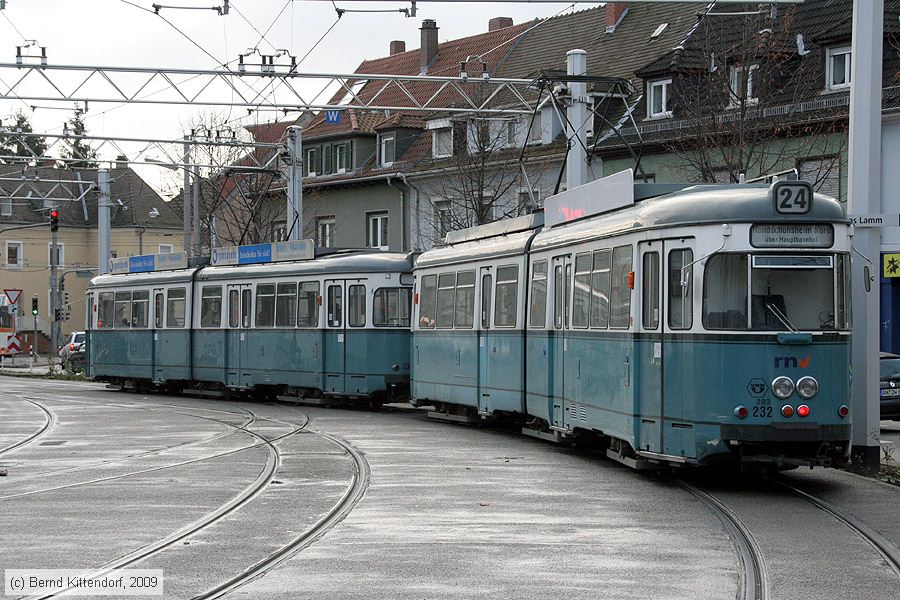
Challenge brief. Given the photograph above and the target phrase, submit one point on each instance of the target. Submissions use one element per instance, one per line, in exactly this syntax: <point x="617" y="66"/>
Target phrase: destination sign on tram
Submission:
<point x="148" y="263"/>
<point x="785" y="235"/>
<point x="263" y="253"/>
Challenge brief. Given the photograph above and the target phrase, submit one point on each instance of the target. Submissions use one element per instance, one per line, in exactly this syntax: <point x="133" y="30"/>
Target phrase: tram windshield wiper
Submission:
<point x="781" y="317"/>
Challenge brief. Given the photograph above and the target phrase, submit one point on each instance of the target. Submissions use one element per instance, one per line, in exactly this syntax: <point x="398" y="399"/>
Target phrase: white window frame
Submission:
<point x="536" y="135"/>
<point x="343" y="151"/>
<point x="830" y="54"/>
<point x="441" y="208"/>
<point x="310" y="152"/>
<point x="165" y="248"/>
<point x="436" y="146"/>
<point x="20" y="255"/>
<point x="279" y="231"/>
<point x="375" y="218"/>
<point x="383" y="139"/>
<point x="328" y="241"/>
<point x="664" y="85"/>
<point x="6" y="207"/>
<point x="61" y="248"/>
<point x="736" y="78"/>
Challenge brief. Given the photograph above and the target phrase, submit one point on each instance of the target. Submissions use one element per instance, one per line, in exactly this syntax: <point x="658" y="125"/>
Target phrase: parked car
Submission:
<point x="73" y="349"/>
<point x="890" y="386"/>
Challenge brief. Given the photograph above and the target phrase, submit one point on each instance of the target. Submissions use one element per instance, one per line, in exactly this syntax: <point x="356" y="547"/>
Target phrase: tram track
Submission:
<point x="884" y="547"/>
<point x="753" y="581"/>
<point x="260" y="483"/>
<point x="49" y="421"/>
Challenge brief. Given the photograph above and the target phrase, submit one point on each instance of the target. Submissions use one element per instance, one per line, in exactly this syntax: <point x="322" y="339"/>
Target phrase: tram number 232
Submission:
<point x="763" y="408"/>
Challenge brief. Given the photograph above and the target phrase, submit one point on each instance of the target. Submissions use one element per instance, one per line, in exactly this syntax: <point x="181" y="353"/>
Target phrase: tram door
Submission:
<point x="157" y="355"/>
<point x="240" y="320"/>
<point x="666" y="308"/>
<point x="486" y="281"/>
<point x="335" y="345"/>
<point x="562" y="277"/>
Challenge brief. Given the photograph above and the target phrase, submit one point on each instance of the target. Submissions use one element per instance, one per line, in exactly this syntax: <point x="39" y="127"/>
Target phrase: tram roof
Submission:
<point x="142" y="279"/>
<point x="694" y="205"/>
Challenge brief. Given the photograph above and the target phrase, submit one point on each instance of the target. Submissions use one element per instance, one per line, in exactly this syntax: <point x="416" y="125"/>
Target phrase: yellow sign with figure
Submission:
<point x="891" y="265"/>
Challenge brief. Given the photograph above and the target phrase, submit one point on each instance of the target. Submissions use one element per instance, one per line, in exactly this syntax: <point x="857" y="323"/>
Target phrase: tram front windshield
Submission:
<point x="786" y="292"/>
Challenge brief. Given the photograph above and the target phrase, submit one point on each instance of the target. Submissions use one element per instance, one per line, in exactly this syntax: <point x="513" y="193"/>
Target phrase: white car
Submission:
<point x="73" y="347"/>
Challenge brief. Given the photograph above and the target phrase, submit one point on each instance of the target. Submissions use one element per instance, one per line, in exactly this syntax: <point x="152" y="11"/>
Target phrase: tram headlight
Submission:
<point x="807" y="387"/>
<point x="782" y="387"/>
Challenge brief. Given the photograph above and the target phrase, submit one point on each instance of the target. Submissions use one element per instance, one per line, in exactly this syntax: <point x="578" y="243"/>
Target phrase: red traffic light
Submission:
<point x="54" y="214"/>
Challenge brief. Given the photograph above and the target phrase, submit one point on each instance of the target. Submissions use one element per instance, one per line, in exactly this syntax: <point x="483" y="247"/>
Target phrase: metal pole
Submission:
<point x="294" y="215"/>
<point x="33" y="342"/>
<point x="187" y="197"/>
<point x="864" y="189"/>
<point x="576" y="113"/>
<point x="196" y="211"/>
<point x="54" y="293"/>
<point x="103" y="221"/>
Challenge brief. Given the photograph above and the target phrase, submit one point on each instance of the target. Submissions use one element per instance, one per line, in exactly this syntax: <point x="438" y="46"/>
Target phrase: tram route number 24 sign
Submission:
<point x="792" y="197"/>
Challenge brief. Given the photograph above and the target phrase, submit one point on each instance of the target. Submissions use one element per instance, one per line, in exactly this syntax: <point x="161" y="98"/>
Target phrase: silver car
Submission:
<point x="73" y="347"/>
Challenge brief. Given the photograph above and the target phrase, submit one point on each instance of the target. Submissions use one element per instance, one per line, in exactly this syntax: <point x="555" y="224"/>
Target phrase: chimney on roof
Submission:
<point x="398" y="47"/>
<point x="429" y="47"/>
<point x="614" y="13"/>
<point x="499" y="23"/>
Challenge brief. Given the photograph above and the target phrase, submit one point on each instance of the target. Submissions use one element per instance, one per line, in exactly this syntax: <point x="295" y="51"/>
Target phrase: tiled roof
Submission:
<point x="132" y="200"/>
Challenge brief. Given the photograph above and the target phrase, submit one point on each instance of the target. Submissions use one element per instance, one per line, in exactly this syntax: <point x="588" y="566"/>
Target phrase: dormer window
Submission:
<point x="386" y="149"/>
<point x="659" y="99"/>
<point x="838" y="68"/>
<point x="442" y="142"/>
<point x="742" y="85"/>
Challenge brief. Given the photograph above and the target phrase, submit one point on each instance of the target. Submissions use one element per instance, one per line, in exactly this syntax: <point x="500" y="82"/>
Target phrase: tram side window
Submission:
<point x="123" y="310"/>
<point x="286" y="305"/>
<point x="335" y="305"/>
<point x="620" y="306"/>
<point x="681" y="298"/>
<point x="356" y="306"/>
<point x="391" y="307"/>
<point x="842" y="276"/>
<point x="445" y="293"/>
<point x="211" y="306"/>
<point x="600" y="290"/>
<point x="106" y="309"/>
<point x="539" y="294"/>
<point x="175" y="305"/>
<point x="725" y="292"/>
<point x="265" y="305"/>
<point x="559" y="297"/>
<point x="486" y="301"/>
<point x="308" y="304"/>
<point x="140" y="308"/>
<point x="159" y="303"/>
<point x="246" y="300"/>
<point x="650" y="290"/>
<point x="465" y="299"/>
<point x="507" y="296"/>
<point x="582" y="296"/>
<point x="427" y="300"/>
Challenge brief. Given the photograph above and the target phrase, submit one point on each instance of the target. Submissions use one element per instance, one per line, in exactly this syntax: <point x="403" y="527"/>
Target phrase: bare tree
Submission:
<point x="746" y="101"/>
<point x="481" y="178"/>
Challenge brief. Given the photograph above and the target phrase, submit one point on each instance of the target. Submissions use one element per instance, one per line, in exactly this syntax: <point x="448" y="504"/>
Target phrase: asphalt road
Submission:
<point x="427" y="510"/>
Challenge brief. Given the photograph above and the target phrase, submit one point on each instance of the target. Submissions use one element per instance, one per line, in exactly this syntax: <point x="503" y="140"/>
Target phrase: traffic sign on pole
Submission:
<point x="13" y="295"/>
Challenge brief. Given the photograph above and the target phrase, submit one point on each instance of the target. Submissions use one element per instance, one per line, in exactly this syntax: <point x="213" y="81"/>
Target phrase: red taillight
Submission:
<point x="630" y="280"/>
<point x="803" y="410"/>
<point x="740" y="411"/>
<point x="843" y="411"/>
<point x="71" y="346"/>
<point x="416" y="298"/>
<point x="787" y="410"/>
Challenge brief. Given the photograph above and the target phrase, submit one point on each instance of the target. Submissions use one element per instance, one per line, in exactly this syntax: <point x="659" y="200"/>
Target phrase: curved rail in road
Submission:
<point x="753" y="584"/>
<point x="49" y="420"/>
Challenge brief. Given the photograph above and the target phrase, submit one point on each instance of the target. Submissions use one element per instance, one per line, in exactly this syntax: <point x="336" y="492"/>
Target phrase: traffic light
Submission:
<point x="54" y="220"/>
<point x="59" y="315"/>
<point x="34" y="306"/>
<point x="66" y="307"/>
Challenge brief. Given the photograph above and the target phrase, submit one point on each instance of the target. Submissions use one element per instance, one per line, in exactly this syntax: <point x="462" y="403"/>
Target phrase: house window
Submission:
<point x="279" y="231"/>
<point x="342" y="158"/>
<point x="659" y="102"/>
<point x="6" y="207"/>
<point x="325" y="232"/>
<point x="838" y="67"/>
<point x="529" y="202"/>
<point x="443" y="217"/>
<point x="442" y="142"/>
<point x="165" y="248"/>
<point x="534" y="136"/>
<point x="326" y="160"/>
<point x="742" y="85"/>
<point x="511" y="132"/>
<point x="377" y="230"/>
<point x="14" y="257"/>
<point x="312" y="162"/>
<point x="386" y="149"/>
<point x="60" y="254"/>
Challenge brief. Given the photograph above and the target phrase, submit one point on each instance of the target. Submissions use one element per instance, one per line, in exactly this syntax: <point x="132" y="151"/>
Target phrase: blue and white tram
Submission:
<point x="688" y="325"/>
<point x="336" y="325"/>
